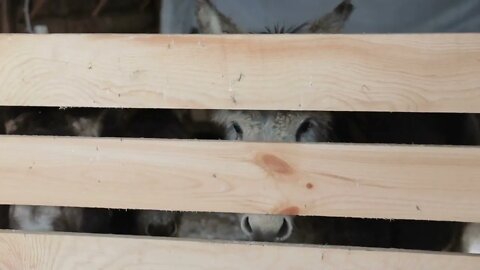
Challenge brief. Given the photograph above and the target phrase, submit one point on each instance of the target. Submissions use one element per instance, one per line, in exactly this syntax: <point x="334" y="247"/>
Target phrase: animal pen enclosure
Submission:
<point x="394" y="73"/>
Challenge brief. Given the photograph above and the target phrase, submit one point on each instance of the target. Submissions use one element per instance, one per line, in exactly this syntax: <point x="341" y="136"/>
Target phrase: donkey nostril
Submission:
<point x="285" y="230"/>
<point x="171" y="228"/>
<point x="151" y="230"/>
<point x="245" y="225"/>
<point x="159" y="230"/>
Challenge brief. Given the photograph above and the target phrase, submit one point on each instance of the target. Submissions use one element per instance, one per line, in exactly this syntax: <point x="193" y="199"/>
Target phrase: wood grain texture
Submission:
<point x="67" y="251"/>
<point x="428" y="183"/>
<point x="414" y="73"/>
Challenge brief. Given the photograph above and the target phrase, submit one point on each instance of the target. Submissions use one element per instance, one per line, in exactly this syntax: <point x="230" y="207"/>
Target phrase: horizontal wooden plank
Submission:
<point x="412" y="72"/>
<point x="67" y="251"/>
<point x="428" y="183"/>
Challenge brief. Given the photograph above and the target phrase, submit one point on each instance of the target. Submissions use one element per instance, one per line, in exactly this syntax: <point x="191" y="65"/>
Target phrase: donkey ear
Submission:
<point x="334" y="21"/>
<point x="211" y="21"/>
<point x="12" y="125"/>
<point x="84" y="126"/>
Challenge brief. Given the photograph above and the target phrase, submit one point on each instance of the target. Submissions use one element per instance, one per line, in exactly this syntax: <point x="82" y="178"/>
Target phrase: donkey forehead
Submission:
<point x="266" y="118"/>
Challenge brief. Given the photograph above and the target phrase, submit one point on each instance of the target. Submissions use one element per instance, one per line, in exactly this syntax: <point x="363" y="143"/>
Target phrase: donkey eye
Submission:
<point x="237" y="130"/>
<point x="304" y="127"/>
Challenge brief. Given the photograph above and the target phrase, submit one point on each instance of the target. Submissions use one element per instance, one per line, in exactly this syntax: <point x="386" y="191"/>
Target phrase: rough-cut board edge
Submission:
<point x="69" y="251"/>
<point x="371" y="181"/>
<point x="380" y="72"/>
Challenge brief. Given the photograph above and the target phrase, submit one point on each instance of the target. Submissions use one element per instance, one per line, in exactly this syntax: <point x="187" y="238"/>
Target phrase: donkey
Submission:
<point x="275" y="127"/>
<point x="45" y="218"/>
<point x="272" y="126"/>
<point x="315" y="127"/>
<point x="94" y="123"/>
<point x="212" y="21"/>
<point x="146" y="123"/>
<point x="425" y="129"/>
<point x="470" y="241"/>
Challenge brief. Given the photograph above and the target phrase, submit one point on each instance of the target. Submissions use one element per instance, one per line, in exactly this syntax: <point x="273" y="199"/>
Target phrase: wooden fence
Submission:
<point x="395" y="73"/>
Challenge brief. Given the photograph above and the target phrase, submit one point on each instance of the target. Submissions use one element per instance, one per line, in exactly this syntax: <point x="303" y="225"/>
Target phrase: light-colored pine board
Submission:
<point x="68" y="251"/>
<point x="414" y="72"/>
<point x="432" y="183"/>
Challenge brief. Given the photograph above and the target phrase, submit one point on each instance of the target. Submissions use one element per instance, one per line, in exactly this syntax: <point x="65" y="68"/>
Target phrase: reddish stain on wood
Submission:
<point x="309" y="185"/>
<point x="290" y="211"/>
<point x="275" y="164"/>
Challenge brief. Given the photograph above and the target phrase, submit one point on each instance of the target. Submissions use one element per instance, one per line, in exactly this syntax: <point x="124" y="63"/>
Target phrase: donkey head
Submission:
<point x="272" y="126"/>
<point x="212" y="21"/>
<point x="51" y="121"/>
<point x="276" y="126"/>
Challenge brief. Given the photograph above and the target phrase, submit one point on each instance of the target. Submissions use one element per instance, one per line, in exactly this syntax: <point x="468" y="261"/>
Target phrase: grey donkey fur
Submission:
<point x="272" y="126"/>
<point x="470" y="240"/>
